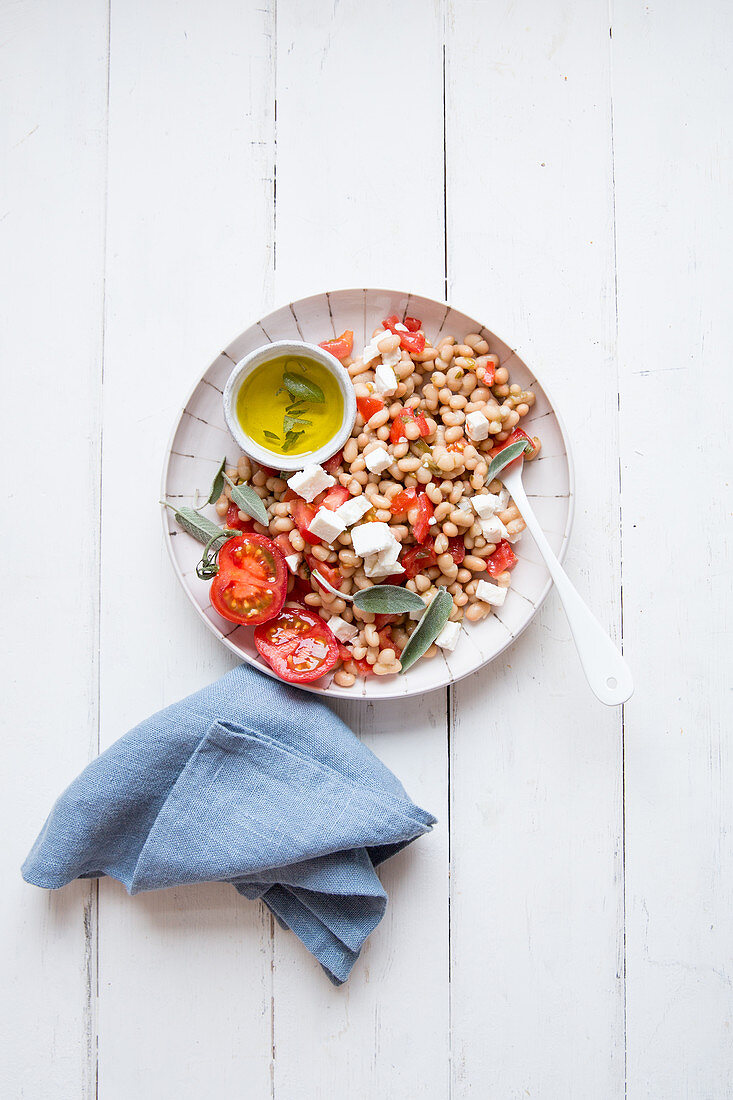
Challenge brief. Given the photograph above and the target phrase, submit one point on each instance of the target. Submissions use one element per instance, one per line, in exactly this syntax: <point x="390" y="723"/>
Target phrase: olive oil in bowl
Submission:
<point x="290" y="403"/>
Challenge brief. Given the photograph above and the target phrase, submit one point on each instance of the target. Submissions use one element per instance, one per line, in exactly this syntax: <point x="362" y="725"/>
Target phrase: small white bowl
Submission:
<point x="274" y="351"/>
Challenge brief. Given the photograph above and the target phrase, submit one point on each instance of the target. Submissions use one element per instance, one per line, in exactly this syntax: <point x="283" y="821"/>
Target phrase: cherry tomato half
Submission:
<point x="304" y="514"/>
<point x="252" y="580"/>
<point x="297" y="645"/>
<point x="328" y="572"/>
<point x="419" y="558"/>
<point x="332" y="464"/>
<point x="235" y="523"/>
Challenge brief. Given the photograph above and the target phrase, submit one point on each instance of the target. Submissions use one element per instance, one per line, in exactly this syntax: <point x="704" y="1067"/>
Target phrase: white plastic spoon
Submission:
<point x="606" y="671"/>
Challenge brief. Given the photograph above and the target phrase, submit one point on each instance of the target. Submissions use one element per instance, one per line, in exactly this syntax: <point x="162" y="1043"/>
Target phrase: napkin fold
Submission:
<point x="247" y="781"/>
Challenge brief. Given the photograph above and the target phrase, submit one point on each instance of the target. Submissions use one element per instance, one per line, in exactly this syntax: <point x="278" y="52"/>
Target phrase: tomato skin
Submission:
<point x="407" y="416"/>
<point x="403" y="501"/>
<point x="456" y="549"/>
<point x="414" y="342"/>
<point x="425" y="510"/>
<point x="418" y="558"/>
<point x="328" y="572"/>
<point x="412" y="324"/>
<point x="252" y="571"/>
<point x="502" y="559"/>
<point x="368" y="406"/>
<point x="297" y="645"/>
<point x="332" y="498"/>
<point x="235" y="523"/>
<point x="284" y="545"/>
<point x="340" y="346"/>
<point x="304" y="514"/>
<point x="332" y="464"/>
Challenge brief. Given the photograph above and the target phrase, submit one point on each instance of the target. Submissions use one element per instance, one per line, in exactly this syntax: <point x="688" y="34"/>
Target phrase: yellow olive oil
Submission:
<point x="279" y="405"/>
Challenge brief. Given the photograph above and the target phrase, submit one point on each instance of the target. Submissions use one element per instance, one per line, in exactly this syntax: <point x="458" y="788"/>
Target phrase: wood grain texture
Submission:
<point x="185" y="999"/>
<point x="338" y="224"/>
<point x="536" y="801"/>
<point x="52" y="196"/>
<point x="673" y="194"/>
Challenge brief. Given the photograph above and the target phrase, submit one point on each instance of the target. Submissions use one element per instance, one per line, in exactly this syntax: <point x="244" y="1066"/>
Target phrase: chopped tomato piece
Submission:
<point x="486" y="374"/>
<point x="414" y="342"/>
<point x="368" y="406"/>
<point x="380" y="621"/>
<point x="300" y="589"/>
<point x="412" y="324"/>
<point x="284" y="545"/>
<point x="334" y="498"/>
<point x="456" y="549"/>
<point x="297" y="645"/>
<point x="407" y="416"/>
<point x="515" y="437"/>
<point x="425" y="510"/>
<point x="327" y="571"/>
<point x="251" y="584"/>
<point x="419" y="558"/>
<point x="290" y="494"/>
<point x="502" y="559"/>
<point x="363" y="666"/>
<point x="457" y="447"/>
<point x="390" y="322"/>
<point x="341" y="346"/>
<point x="304" y="514"/>
<point x="344" y="653"/>
<point x="268" y="471"/>
<point x="386" y="641"/>
<point x="332" y="464"/>
<point x="403" y="501"/>
<point x="234" y="522"/>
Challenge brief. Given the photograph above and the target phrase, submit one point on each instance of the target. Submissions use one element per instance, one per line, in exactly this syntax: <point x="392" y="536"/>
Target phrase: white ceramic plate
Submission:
<point x="201" y="439"/>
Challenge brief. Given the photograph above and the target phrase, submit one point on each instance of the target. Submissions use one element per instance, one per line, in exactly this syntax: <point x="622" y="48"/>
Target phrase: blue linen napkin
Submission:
<point x="247" y="781"/>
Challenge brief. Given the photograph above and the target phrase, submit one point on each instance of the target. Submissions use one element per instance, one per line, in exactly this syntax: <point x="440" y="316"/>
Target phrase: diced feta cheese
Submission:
<point x="477" y="426"/>
<point x="491" y="593"/>
<point x="293" y="561"/>
<point x="513" y="538"/>
<point x="399" y="327"/>
<point x="503" y="499"/>
<point x="493" y="529"/>
<point x="485" y="505"/>
<point x="378" y="565"/>
<point x="311" y="481"/>
<point x="370" y="538"/>
<point x="448" y="636"/>
<point x="378" y="460"/>
<point x="385" y="379"/>
<point x="343" y="631"/>
<point x="352" y="510"/>
<point x="326" y="525"/>
<point x="371" y="351"/>
<point x="391" y="358"/>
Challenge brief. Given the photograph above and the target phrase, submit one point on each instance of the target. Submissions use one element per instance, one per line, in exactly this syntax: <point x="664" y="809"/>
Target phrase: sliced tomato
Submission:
<point x="332" y="498"/>
<point x="327" y="571"/>
<point x="368" y="406"/>
<point x="456" y="549"/>
<point x="425" y="510"/>
<point x="341" y="346"/>
<point x="412" y="324"/>
<point x="403" y="501"/>
<point x="251" y="584"/>
<point x="419" y="558"/>
<point x="332" y="464"/>
<point x="502" y="559"/>
<point x="304" y="514"/>
<point x="414" y="342"/>
<point x="407" y="416"/>
<point x="297" y="645"/>
<point x="235" y="523"/>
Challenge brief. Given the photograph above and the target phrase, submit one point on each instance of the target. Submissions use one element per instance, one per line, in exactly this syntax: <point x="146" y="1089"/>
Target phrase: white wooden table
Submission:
<point x="172" y="170"/>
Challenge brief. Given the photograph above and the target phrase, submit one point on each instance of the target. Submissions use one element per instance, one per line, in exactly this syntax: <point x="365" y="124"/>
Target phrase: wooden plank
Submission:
<point x="53" y="107"/>
<point x="185" y="1000"/>
<point x="536" y="793"/>
<point x="672" y="98"/>
<point x="352" y="211"/>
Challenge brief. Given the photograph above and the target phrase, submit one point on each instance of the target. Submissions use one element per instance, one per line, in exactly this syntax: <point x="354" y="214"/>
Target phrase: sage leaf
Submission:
<point x="514" y="450"/>
<point x="302" y="388"/>
<point x="271" y="435"/>
<point x="246" y="498"/>
<point x="428" y="629"/>
<point x="289" y="423"/>
<point x="194" y="524"/>
<point x="290" y="440"/>
<point x="217" y="486"/>
<point x="388" y="599"/>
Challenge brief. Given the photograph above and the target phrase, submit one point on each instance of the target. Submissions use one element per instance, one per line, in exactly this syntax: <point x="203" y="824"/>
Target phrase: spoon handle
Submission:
<point x="606" y="671"/>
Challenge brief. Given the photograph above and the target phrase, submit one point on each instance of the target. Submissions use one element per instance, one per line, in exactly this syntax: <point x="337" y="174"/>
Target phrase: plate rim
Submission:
<point x="334" y="691"/>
